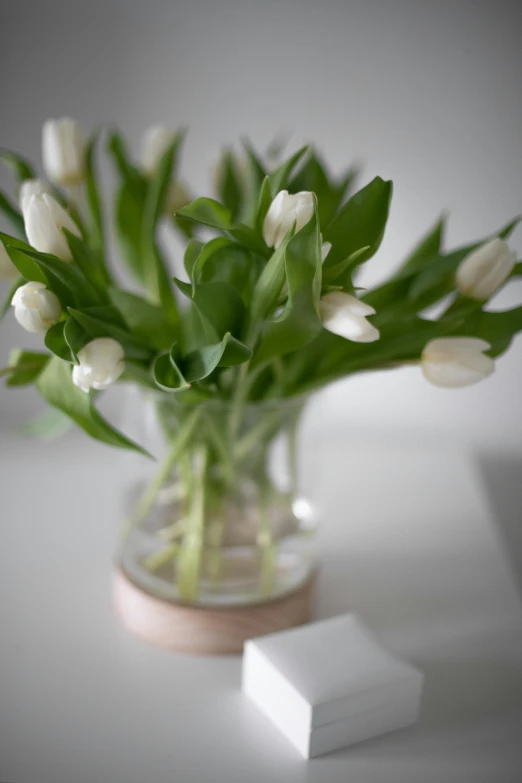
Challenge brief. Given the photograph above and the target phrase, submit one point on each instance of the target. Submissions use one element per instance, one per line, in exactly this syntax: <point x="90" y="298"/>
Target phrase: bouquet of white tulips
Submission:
<point x="269" y="307"/>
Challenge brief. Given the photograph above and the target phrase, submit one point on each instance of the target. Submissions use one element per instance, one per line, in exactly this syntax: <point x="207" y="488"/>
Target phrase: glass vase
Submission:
<point x="221" y="518"/>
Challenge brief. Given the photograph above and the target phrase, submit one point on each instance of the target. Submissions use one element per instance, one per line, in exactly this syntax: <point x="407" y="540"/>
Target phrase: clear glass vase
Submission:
<point x="221" y="518"/>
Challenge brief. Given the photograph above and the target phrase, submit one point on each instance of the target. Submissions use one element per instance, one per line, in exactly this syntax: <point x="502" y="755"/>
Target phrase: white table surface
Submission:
<point x="407" y="541"/>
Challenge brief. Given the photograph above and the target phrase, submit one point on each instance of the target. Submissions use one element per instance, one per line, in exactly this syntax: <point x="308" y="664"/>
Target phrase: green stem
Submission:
<point x="258" y="434"/>
<point x="147" y="500"/>
<point x="265" y="542"/>
<point x="158" y="559"/>
<point x="191" y="551"/>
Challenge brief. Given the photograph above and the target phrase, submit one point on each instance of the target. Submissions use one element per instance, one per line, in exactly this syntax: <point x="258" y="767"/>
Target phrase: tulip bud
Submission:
<point x="154" y="144"/>
<point x="8" y="271"/>
<point x="345" y="315"/>
<point x="285" y="210"/>
<point x="32" y="187"/>
<point x="452" y="362"/>
<point x="485" y="269"/>
<point x="44" y="220"/>
<point x="63" y="147"/>
<point x="178" y="196"/>
<point x="101" y="363"/>
<point x="36" y="308"/>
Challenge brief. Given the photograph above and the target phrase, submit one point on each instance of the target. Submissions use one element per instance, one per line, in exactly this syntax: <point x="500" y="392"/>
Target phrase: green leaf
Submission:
<point x="229" y="184"/>
<point x="175" y="372"/>
<point x="147" y="320"/>
<point x="312" y="176"/>
<point x="65" y="339"/>
<point x="90" y="264"/>
<point x="198" y="365"/>
<point x="130" y="206"/>
<point x="158" y="281"/>
<point x="256" y="169"/>
<point x="117" y="149"/>
<point x="360" y="223"/>
<point x="299" y="323"/>
<point x="208" y="212"/>
<point x="498" y="329"/>
<point x="20" y="167"/>
<point x="25" y="366"/>
<point x="167" y="375"/>
<point x="93" y="196"/>
<point x="56" y="387"/>
<point x="12" y="214"/>
<point x="280" y="177"/>
<point x="263" y="205"/>
<point x="206" y="253"/>
<point x="28" y="269"/>
<point x="55" y="341"/>
<point x="334" y="272"/>
<point x="254" y="174"/>
<point x="429" y="246"/>
<point x="268" y="287"/>
<point x="94" y="320"/>
<point x="66" y="280"/>
<point x="75" y="336"/>
<point x="234" y="265"/>
<point x="138" y="372"/>
<point x="219" y="303"/>
<point x="506" y="232"/>
<point x="192" y="252"/>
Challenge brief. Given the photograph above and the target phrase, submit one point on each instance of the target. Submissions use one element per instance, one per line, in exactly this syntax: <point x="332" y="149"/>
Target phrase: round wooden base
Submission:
<point x="203" y="630"/>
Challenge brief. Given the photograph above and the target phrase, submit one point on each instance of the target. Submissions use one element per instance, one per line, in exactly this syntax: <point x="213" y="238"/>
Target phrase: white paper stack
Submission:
<point x="330" y="684"/>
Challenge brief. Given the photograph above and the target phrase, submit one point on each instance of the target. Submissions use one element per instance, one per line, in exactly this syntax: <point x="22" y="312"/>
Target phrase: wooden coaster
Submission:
<point x="206" y="631"/>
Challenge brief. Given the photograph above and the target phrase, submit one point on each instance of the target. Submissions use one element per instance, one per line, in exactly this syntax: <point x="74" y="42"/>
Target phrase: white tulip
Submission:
<point x="32" y="187"/>
<point x="44" y="220"/>
<point x="35" y="307"/>
<point x="452" y="362"/>
<point x="485" y="269"/>
<point x="101" y="363"/>
<point x="8" y="271"/>
<point x="63" y="149"/>
<point x="345" y="315"/>
<point x="285" y="210"/>
<point x="154" y="144"/>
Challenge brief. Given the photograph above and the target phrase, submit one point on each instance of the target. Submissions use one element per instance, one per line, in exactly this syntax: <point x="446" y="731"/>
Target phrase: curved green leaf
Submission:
<point x="208" y="212"/>
<point x="218" y="302"/>
<point x="25" y="264"/>
<point x="93" y="195"/>
<point x="167" y="375"/>
<point x="147" y="320"/>
<point x="55" y="341"/>
<point x="24" y="367"/>
<point x="360" y="223"/>
<point x="94" y="321"/>
<point x="56" y="387"/>
<point x="205" y="254"/>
